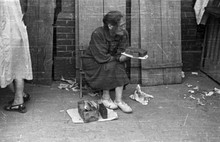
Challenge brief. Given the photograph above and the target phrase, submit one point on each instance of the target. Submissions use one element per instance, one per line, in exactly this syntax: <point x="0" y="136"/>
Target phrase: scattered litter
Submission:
<point x="75" y="89"/>
<point x="68" y="85"/>
<point x="200" y="96"/>
<point x="93" y="94"/>
<point x="192" y="97"/>
<point x="196" y="88"/>
<point x="203" y="96"/>
<point x="195" y="73"/>
<point x="199" y="102"/>
<point x="182" y="74"/>
<point x="209" y="93"/>
<point x="217" y="91"/>
<point x="191" y="91"/>
<point x="141" y="96"/>
<point x="64" y="86"/>
<point x="188" y="85"/>
<point x="190" y="107"/>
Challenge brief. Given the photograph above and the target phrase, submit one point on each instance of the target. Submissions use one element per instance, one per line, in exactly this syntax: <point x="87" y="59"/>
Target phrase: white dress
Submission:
<point x="15" y="60"/>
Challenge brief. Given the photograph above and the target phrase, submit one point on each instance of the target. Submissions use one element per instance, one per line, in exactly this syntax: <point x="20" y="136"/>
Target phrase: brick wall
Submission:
<point x="192" y="37"/>
<point x="64" y="39"/>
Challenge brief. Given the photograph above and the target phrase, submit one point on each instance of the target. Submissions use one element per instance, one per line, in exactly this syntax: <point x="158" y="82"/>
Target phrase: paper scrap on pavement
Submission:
<point x="191" y="91"/>
<point x="189" y="85"/>
<point x="182" y="74"/>
<point x="141" y="96"/>
<point x="209" y="93"/>
<point x="195" y="73"/>
<point x="217" y="90"/>
<point x="68" y="85"/>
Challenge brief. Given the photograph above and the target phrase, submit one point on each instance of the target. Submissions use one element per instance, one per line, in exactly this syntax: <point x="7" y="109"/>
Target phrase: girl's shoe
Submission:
<point x="19" y="108"/>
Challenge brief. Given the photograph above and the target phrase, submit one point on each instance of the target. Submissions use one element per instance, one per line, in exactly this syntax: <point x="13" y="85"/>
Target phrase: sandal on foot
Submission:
<point x="25" y="98"/>
<point x="19" y="108"/>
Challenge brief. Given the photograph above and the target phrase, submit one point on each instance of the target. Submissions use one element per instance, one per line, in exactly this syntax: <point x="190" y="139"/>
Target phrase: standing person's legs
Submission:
<point x="106" y="95"/>
<point x="118" y="100"/>
<point x="107" y="101"/>
<point x="12" y="87"/>
<point x="26" y="96"/>
<point x="118" y="93"/>
<point x="18" y="101"/>
<point x="19" y="89"/>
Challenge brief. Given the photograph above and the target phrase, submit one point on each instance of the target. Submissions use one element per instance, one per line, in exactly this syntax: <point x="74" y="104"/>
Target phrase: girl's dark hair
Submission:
<point x="112" y="17"/>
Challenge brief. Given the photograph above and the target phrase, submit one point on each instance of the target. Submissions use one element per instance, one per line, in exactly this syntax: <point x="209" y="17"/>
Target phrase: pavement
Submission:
<point x="173" y="115"/>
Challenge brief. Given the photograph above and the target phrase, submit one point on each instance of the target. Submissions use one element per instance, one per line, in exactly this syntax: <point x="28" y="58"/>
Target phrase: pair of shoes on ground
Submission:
<point x="114" y="105"/>
<point x="20" y="107"/>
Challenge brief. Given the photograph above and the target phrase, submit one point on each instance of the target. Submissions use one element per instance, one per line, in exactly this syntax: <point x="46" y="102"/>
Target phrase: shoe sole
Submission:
<point x="21" y="110"/>
<point x="125" y="111"/>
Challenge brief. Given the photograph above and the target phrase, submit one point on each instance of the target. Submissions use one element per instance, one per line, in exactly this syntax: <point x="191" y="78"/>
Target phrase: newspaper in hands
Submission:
<point x="134" y="57"/>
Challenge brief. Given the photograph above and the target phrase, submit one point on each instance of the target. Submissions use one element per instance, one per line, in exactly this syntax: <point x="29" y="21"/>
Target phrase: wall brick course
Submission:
<point x="70" y="48"/>
<point x="64" y="29"/>
<point x="61" y="23"/>
<point x="65" y="23"/>
<point x="64" y="53"/>
<point x="70" y="36"/>
<point x="61" y="36"/>
<point x="64" y="42"/>
<point x="61" y="48"/>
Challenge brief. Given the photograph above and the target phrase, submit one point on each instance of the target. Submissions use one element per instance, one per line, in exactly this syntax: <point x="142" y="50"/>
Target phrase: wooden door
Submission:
<point x="40" y="17"/>
<point x="155" y="26"/>
<point x="135" y="67"/>
<point x="119" y="5"/>
<point x="210" y="63"/>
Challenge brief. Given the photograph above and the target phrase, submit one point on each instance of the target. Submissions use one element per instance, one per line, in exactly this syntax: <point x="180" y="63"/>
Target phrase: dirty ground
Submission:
<point x="175" y="114"/>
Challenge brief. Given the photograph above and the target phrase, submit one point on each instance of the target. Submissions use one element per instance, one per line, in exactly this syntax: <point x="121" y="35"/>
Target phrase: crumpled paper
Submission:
<point x="68" y="85"/>
<point x="141" y="96"/>
<point x="199" y="95"/>
<point x="217" y="91"/>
